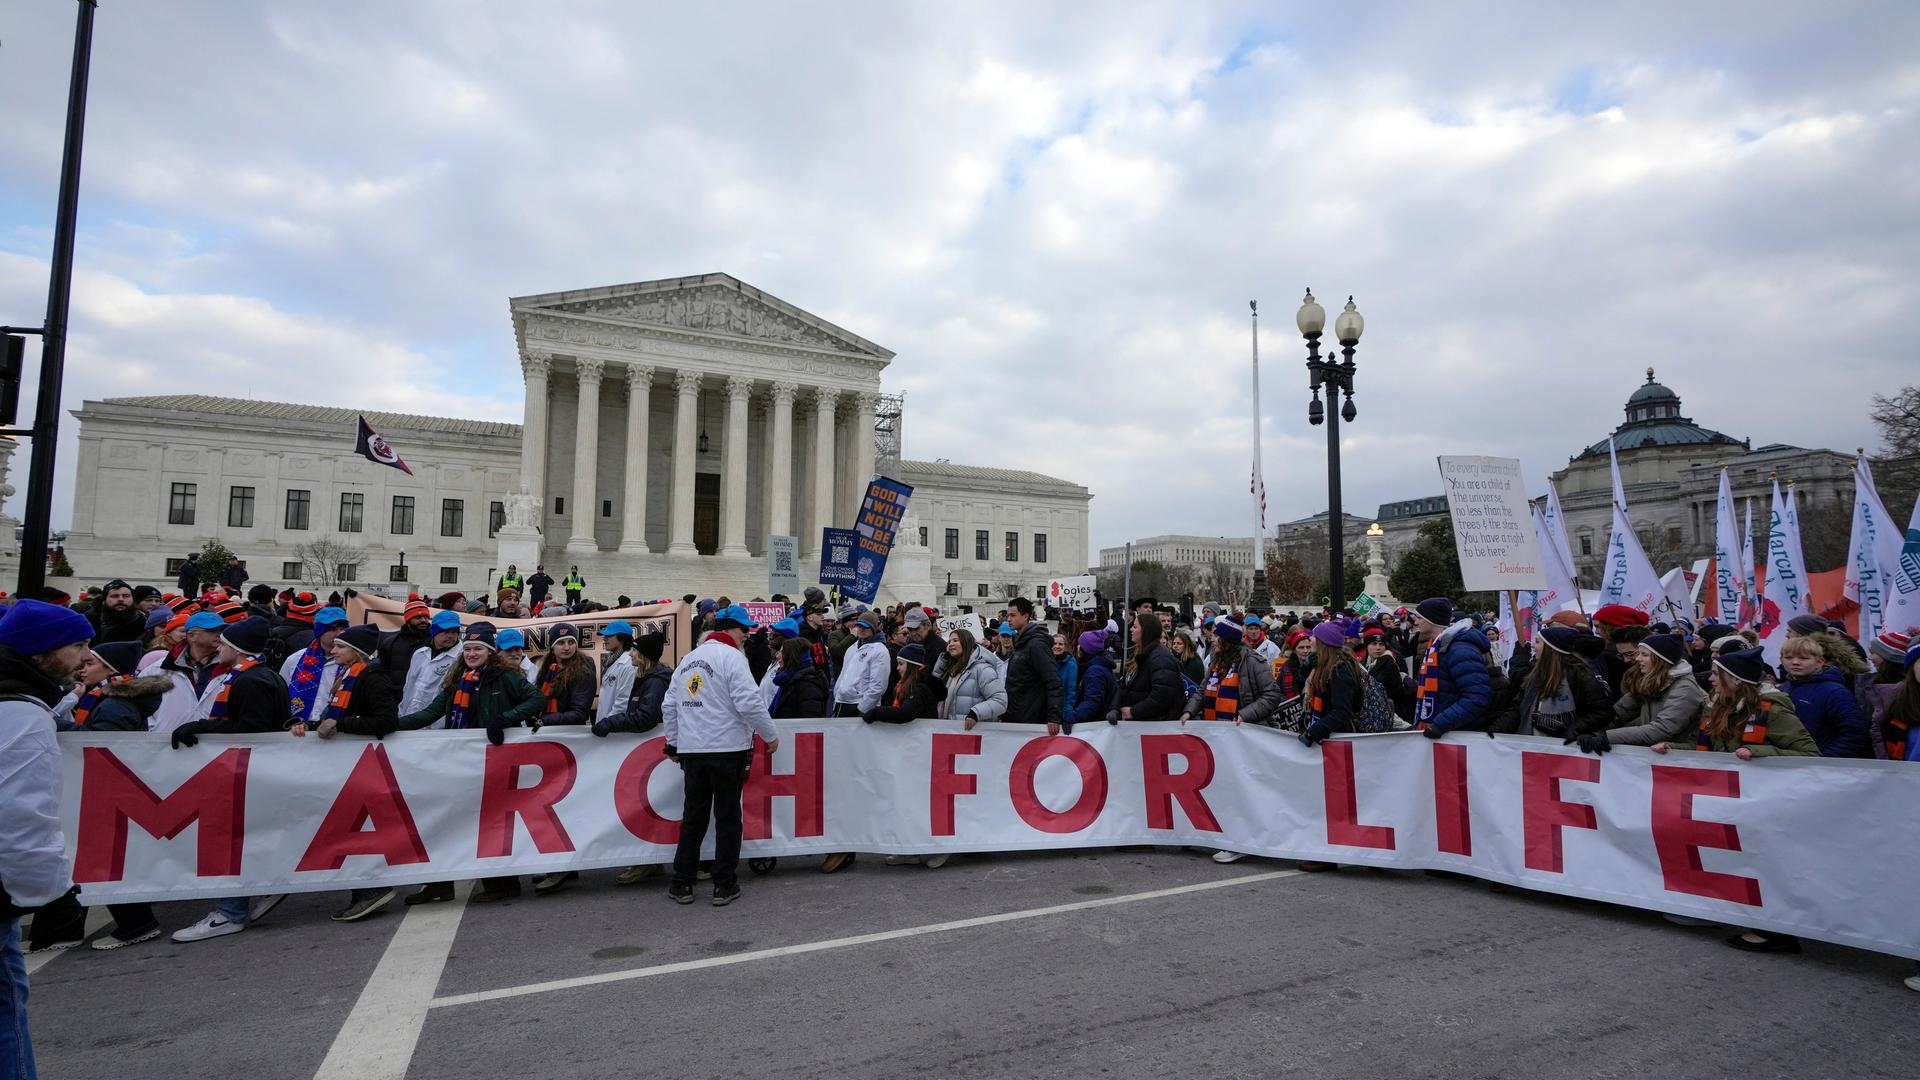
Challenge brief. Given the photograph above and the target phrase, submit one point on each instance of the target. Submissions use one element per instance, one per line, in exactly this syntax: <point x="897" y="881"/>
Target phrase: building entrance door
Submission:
<point x="706" y="512"/>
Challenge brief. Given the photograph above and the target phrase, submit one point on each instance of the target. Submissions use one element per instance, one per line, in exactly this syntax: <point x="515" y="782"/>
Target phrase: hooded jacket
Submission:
<point x="1155" y="691"/>
<point x="1674" y="716"/>
<point x="863" y="674"/>
<point x="804" y="696"/>
<point x="1033" y="682"/>
<point x="1786" y="736"/>
<point x="128" y="705"/>
<point x="1458" y="680"/>
<point x="1098" y="688"/>
<point x="643" y="703"/>
<point x="980" y="689"/>
<point x="1828" y="709"/>
<point x="33" y="853"/>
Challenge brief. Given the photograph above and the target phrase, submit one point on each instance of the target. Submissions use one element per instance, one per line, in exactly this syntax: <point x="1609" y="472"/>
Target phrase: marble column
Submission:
<point x="535" y="364"/>
<point x="686" y="419"/>
<point x="633" y="507"/>
<point x="780" y="473"/>
<point x="859" y="452"/>
<point x="733" y="471"/>
<point x="586" y="457"/>
<point x="824" y="401"/>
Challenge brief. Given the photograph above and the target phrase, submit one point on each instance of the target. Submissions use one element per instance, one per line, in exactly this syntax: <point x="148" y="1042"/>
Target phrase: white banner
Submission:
<point x="1071" y="594"/>
<point x="1492" y="523"/>
<point x="1773" y="843"/>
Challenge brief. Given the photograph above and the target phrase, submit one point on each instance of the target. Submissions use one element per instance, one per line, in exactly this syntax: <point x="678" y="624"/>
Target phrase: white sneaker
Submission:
<point x="213" y="926"/>
<point x="1912" y="982"/>
<point x="1228" y="856"/>
<point x="258" y="907"/>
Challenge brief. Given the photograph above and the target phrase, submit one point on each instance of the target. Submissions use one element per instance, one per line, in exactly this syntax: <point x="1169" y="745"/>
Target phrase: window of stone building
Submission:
<point x="299" y="506"/>
<point x="346" y="571"/>
<point x="496" y="517"/>
<point x="1039" y="592"/>
<point x="559" y="504"/>
<point x="291" y="570"/>
<point x="352" y="511"/>
<point x="980" y="548"/>
<point x="923" y="536"/>
<point x="449" y="575"/>
<point x="1586" y="543"/>
<point x="953" y="543"/>
<point x="240" y="508"/>
<point x="180" y="505"/>
<point x="1013" y="546"/>
<point x="606" y="508"/>
<point x="402" y="515"/>
<point x="982" y="590"/>
<point x="1040" y="548"/>
<point x="396" y="572"/>
<point x="452" y="515"/>
<point x="173" y="568"/>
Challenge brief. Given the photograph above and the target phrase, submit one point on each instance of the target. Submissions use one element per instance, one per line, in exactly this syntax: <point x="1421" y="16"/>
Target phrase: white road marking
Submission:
<point x="845" y="942"/>
<point x="97" y="917"/>
<point x="377" y="1041"/>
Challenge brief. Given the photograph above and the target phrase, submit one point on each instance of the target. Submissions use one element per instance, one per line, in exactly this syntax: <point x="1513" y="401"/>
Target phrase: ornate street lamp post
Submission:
<point x="1336" y="376"/>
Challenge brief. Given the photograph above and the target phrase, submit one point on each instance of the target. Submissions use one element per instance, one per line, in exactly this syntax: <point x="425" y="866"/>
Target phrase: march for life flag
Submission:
<point x="1749" y="580"/>
<point x="1903" y="610"/>
<point x="1557" y="529"/>
<point x="371" y="446"/>
<point x="1560" y="594"/>
<point x="1786" y="592"/>
<point x="1728" y="583"/>
<point x="1873" y="553"/>
<point x="1628" y="577"/>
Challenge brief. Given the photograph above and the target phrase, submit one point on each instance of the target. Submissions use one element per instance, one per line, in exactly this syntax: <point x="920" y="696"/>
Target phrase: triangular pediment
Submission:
<point x="719" y="305"/>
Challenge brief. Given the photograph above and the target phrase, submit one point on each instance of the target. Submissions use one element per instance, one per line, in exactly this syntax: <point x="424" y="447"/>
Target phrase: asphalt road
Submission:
<point x="1098" y="964"/>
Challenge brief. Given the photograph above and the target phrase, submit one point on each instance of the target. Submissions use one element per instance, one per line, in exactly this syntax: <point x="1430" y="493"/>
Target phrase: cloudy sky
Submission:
<point x="1054" y="213"/>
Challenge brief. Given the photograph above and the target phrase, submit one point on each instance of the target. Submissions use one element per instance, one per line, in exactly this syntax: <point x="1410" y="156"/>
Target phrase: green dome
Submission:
<point x="1653" y="419"/>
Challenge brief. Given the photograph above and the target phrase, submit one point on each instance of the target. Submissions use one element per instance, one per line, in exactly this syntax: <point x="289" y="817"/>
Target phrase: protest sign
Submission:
<point x="1071" y="594"/>
<point x="837" y="547"/>
<point x="1770" y="844"/>
<point x="668" y="617"/>
<point x="783" y="565"/>
<point x="1492" y="523"/>
<point x="1363" y="605"/>
<point x="880" y="514"/>
<point x="765" y="614"/>
<point x="969" y="622"/>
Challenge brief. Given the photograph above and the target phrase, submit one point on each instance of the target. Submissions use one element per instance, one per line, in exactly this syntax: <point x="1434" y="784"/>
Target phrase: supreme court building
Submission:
<point x="669" y="428"/>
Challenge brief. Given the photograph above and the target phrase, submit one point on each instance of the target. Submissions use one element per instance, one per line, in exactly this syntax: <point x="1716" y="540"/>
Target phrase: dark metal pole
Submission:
<point x="53" y="348"/>
<point x="1336" y="534"/>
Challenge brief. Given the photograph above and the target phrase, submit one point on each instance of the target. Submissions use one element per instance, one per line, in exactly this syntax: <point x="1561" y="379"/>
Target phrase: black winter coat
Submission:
<point x="374" y="708"/>
<point x="256" y="702"/>
<point x="1393" y="678"/>
<point x="923" y="703"/>
<point x="118" y="626"/>
<point x="396" y="653"/>
<point x="129" y="705"/>
<point x="1592" y="705"/>
<point x="806" y="696"/>
<point x="576" y="700"/>
<point x="643" y="702"/>
<point x="1155" y="691"/>
<point x="1033" y="680"/>
<point x="1343" y="701"/>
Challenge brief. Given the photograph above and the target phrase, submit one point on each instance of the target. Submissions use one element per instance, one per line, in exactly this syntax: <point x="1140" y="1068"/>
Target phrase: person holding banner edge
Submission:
<point x="1453" y="690"/>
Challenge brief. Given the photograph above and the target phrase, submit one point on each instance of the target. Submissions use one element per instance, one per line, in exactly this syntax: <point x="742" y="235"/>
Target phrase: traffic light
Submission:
<point x="12" y="363"/>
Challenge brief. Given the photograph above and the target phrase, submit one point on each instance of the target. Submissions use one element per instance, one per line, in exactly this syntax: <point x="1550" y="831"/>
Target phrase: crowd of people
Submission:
<point x="214" y="662"/>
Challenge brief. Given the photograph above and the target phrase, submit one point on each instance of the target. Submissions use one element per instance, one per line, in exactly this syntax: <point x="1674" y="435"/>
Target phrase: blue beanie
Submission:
<point x="1437" y="610"/>
<point x="159" y="616"/>
<point x="1226" y="629"/>
<point x="31" y="627"/>
<point x="480" y="633"/>
<point x="445" y="620"/>
<point x="329" y="616"/>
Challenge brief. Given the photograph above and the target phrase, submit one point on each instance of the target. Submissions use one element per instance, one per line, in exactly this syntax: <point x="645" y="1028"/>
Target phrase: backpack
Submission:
<point x="1376" y="713"/>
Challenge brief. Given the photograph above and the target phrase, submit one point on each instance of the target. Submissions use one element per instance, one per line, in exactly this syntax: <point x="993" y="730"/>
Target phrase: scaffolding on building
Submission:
<point x="889" y="416"/>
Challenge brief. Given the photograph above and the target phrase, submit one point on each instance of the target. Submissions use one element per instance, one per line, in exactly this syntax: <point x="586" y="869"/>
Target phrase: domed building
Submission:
<point x="1670" y="470"/>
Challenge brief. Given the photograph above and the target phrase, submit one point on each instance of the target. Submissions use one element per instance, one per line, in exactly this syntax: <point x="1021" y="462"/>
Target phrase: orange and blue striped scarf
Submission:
<point x="463" y="697"/>
<point x="1221" y="699"/>
<point x="92" y="697"/>
<point x="219" y="710"/>
<point x="343" y="693"/>
<point x="1426" y="693"/>
<point x="1752" y="733"/>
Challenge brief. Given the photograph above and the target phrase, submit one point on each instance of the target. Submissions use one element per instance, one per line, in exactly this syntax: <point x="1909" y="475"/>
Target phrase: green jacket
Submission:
<point x="504" y="700"/>
<point x="1786" y="737"/>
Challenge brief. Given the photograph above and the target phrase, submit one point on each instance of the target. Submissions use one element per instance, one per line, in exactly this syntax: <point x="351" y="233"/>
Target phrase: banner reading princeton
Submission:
<point x="1768" y="844"/>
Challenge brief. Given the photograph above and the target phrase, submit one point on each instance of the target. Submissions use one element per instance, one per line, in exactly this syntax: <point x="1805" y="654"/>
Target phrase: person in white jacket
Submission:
<point x="41" y="647"/>
<point x="710" y="715"/>
<point x="191" y="668"/>
<point x="616" y="679"/>
<point x="863" y="671"/>
<point x="430" y="664"/>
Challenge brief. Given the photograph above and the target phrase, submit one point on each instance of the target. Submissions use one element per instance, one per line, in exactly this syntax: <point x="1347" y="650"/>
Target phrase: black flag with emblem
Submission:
<point x="375" y="449"/>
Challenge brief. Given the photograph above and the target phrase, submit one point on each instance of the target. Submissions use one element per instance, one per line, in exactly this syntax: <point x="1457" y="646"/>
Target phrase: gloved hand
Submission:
<point x="1572" y="736"/>
<point x="496" y="735"/>
<point x="327" y="729"/>
<point x="1309" y="739"/>
<point x="600" y="728"/>
<point x="867" y="717"/>
<point x="1595" y="743"/>
<point x="188" y="734"/>
<point x="673" y="752"/>
<point x="1432" y="732"/>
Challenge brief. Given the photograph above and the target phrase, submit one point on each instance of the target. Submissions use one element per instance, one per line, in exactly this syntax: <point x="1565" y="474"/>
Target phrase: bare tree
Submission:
<point x="327" y="561"/>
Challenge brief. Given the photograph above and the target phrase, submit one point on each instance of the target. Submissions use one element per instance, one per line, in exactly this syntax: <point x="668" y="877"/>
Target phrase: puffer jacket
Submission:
<point x="503" y="700"/>
<point x="128" y="705"/>
<point x="980" y="689"/>
<point x="1097" y="690"/>
<point x="643" y="703"/>
<point x="1463" y="692"/>
<point x="1674" y="716"/>
<point x="1260" y="693"/>
<point x="921" y="703"/>
<point x="1786" y="736"/>
<point x="1033" y="682"/>
<point x="1155" y="691"/>
<point x="804" y="696"/>
<point x="1825" y="705"/>
<point x="1346" y="695"/>
<point x="374" y="707"/>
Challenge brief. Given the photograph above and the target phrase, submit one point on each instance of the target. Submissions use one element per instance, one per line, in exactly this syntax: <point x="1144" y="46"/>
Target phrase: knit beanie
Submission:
<point x="480" y="633"/>
<point x="1226" y="629"/>
<point x="249" y="635"/>
<point x="159" y="616"/>
<point x="1093" y="642"/>
<point x="1807" y="625"/>
<point x="1620" y="615"/>
<point x="415" y="607"/>
<point x="1890" y="645"/>
<point x="1330" y="634"/>
<point x="302" y="607"/>
<point x="651" y="645"/>
<point x="1747" y="665"/>
<point x="1715" y="632"/>
<point x="913" y="653"/>
<point x="1437" y="610"/>
<point x="1913" y="656"/>
<point x="364" y="638"/>
<point x="562" y="631"/>
<point x="122" y="656"/>
<point x="259" y="594"/>
<point x="1669" y="647"/>
<point x="31" y="627"/>
<point x="1560" y="639"/>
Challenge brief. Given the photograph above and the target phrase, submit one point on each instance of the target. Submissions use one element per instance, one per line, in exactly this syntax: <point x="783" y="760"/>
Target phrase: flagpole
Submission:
<point x="1258" y="601"/>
